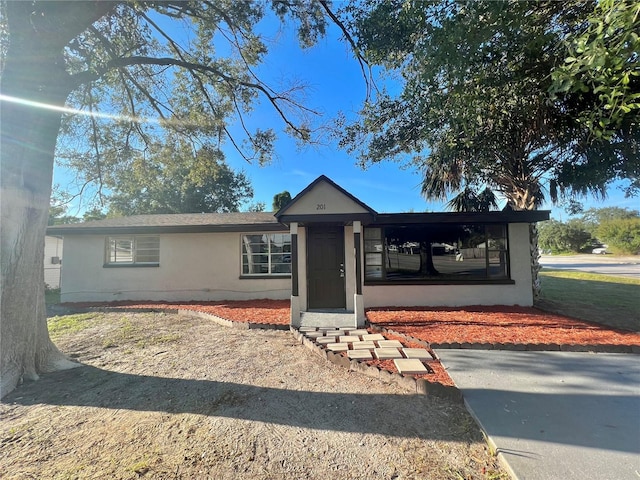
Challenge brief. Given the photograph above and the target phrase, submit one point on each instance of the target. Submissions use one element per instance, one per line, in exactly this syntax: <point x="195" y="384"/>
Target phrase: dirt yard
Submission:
<point x="178" y="397"/>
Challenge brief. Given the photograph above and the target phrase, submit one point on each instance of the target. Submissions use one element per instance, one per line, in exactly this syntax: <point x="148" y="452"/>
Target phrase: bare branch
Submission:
<point x="95" y="144"/>
<point x="167" y="61"/>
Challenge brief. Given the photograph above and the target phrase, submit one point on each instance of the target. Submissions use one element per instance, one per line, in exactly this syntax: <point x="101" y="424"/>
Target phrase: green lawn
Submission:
<point x="605" y="299"/>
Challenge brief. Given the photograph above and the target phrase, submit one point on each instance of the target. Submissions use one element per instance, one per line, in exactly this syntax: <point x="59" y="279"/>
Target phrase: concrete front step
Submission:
<point x="328" y="319"/>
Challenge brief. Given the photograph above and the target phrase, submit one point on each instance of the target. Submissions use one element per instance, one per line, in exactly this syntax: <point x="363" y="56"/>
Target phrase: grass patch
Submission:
<point x="133" y="335"/>
<point x="597" y="298"/>
<point x="594" y="277"/>
<point x="63" y="325"/>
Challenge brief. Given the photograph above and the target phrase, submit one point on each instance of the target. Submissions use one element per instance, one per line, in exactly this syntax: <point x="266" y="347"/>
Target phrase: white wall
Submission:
<point x="207" y="267"/>
<point x="349" y="266"/>
<point x="324" y="199"/>
<point x="52" y="249"/>
<point x="302" y="267"/>
<point x="450" y="295"/>
<point x="192" y="267"/>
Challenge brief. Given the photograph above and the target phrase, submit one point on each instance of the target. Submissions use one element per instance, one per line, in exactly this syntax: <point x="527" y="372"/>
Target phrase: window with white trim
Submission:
<point x="133" y="250"/>
<point x="266" y="254"/>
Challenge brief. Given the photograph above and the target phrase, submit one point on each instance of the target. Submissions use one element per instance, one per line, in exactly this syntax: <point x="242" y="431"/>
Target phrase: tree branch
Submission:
<point x="167" y="61"/>
<point x="354" y="46"/>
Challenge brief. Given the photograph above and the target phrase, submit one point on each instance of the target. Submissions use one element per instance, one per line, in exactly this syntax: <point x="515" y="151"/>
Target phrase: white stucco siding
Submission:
<point x="302" y="267"/>
<point x="192" y="267"/>
<point x="519" y="293"/>
<point x="324" y="199"/>
<point x="349" y="266"/>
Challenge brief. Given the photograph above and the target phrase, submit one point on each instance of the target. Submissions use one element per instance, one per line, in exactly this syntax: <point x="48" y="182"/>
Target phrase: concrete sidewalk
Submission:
<point x="555" y="415"/>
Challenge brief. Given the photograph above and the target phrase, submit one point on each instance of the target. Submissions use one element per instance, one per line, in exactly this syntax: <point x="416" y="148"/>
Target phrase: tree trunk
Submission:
<point x="535" y="261"/>
<point x="427" y="267"/>
<point x="27" y="147"/>
<point x="525" y="198"/>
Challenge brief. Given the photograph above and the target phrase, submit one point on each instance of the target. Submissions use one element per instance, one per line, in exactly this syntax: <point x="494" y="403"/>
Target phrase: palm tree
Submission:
<point x="469" y="200"/>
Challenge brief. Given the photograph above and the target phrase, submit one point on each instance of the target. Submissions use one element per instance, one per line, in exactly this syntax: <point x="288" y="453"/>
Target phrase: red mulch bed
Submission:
<point x="265" y="312"/>
<point x="477" y="324"/>
<point x="496" y="324"/>
<point x="437" y="375"/>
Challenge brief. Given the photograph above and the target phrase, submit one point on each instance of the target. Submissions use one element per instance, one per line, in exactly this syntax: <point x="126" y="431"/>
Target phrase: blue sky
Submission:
<point x="334" y="84"/>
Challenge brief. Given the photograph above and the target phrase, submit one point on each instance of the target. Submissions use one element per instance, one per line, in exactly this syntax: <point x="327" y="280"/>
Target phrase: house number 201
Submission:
<point x="321" y="206"/>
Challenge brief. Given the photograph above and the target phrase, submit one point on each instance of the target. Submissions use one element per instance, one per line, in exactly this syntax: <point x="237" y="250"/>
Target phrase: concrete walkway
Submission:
<point x="555" y="415"/>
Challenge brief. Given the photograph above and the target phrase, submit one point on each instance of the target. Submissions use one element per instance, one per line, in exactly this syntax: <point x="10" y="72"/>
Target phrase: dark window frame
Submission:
<point x="378" y="246"/>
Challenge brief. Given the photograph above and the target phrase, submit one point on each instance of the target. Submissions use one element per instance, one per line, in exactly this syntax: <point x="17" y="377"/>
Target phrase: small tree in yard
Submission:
<point x="123" y="57"/>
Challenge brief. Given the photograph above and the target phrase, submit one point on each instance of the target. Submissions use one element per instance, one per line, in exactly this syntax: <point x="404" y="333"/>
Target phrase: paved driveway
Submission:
<point x="605" y="264"/>
<point x="555" y="415"/>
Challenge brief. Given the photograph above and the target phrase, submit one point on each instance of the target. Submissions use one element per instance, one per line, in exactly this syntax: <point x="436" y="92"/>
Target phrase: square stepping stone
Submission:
<point x="314" y="334"/>
<point x="372" y="336"/>
<point x="419" y="353"/>
<point x="410" y="366"/>
<point x="389" y="344"/>
<point x="363" y="345"/>
<point x="386" y="353"/>
<point x="325" y="340"/>
<point x="349" y="338"/>
<point x="359" y="355"/>
<point x="360" y="331"/>
<point x="332" y="330"/>
<point x="338" y="347"/>
<point x="333" y="337"/>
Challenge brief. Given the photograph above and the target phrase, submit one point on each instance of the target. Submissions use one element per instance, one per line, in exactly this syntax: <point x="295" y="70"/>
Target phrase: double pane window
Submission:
<point x="133" y="250"/>
<point x="266" y="254"/>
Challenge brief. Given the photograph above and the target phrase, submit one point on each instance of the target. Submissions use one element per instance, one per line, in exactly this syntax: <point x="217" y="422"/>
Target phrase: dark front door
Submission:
<point x="325" y="267"/>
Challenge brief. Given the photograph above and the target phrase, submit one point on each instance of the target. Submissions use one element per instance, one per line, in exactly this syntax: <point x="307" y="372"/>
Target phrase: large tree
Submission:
<point x="172" y="178"/>
<point x="149" y="65"/>
<point x="474" y="107"/>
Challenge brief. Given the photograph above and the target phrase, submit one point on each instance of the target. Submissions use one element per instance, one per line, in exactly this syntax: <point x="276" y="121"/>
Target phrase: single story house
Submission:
<point x="325" y="250"/>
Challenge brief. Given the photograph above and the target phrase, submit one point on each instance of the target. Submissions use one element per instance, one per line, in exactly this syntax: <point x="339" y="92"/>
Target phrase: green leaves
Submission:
<point x="474" y="106"/>
<point x="172" y="178"/>
<point x="183" y="67"/>
<point x="603" y="60"/>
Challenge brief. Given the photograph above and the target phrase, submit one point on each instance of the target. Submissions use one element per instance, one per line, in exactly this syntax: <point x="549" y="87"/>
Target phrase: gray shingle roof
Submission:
<point x="179" y="222"/>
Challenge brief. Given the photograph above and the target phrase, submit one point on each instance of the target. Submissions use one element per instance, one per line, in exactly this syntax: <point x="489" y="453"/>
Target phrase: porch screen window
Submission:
<point x="436" y="253"/>
<point x="266" y="254"/>
<point x="133" y="250"/>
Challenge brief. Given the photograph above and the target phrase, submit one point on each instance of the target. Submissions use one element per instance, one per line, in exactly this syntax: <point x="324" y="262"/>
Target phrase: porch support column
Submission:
<point x="295" y="299"/>
<point x="358" y="301"/>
